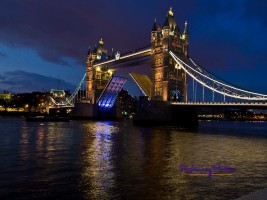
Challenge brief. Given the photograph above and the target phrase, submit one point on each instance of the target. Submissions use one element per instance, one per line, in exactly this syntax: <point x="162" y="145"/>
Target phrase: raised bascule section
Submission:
<point x="143" y="82"/>
<point x="108" y="97"/>
<point x="166" y="88"/>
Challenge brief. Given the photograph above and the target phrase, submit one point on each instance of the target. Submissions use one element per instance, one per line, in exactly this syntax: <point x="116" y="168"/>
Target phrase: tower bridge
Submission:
<point x="163" y="77"/>
<point x="172" y="69"/>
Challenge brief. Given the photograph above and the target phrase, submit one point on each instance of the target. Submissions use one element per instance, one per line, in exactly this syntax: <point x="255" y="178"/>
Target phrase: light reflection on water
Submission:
<point x="97" y="173"/>
<point x="116" y="160"/>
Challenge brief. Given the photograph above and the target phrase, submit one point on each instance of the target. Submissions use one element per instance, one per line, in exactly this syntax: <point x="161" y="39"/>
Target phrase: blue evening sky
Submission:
<point x="51" y="37"/>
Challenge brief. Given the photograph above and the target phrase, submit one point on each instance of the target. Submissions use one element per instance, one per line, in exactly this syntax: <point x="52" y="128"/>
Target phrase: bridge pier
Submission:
<point x="163" y="113"/>
<point x="83" y="110"/>
<point x="92" y="111"/>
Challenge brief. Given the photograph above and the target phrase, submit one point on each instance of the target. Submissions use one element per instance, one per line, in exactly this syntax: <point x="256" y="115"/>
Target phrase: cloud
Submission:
<point x="21" y="81"/>
<point x="54" y="58"/>
<point x="68" y="29"/>
<point x="2" y="54"/>
<point x="59" y="31"/>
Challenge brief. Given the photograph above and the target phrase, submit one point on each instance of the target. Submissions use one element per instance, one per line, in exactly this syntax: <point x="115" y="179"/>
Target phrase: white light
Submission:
<point x="123" y="57"/>
<point x="117" y="56"/>
<point x="178" y="66"/>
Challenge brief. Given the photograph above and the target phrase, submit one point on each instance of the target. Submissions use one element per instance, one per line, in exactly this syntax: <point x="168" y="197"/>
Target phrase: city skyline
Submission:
<point x="52" y="39"/>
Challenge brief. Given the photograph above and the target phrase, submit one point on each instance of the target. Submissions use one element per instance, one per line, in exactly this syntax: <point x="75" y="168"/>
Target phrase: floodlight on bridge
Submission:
<point x="110" y="93"/>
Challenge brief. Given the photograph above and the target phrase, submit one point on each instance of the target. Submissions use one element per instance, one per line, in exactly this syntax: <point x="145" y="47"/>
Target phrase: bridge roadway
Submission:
<point x="240" y="105"/>
<point x="61" y="106"/>
<point x="247" y="105"/>
<point x="133" y="58"/>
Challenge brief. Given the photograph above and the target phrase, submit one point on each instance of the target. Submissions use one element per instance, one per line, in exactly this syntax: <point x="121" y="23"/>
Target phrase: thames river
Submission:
<point x="117" y="160"/>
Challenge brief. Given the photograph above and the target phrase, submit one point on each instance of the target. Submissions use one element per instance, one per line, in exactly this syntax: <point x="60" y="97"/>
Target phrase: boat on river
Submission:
<point x="47" y="118"/>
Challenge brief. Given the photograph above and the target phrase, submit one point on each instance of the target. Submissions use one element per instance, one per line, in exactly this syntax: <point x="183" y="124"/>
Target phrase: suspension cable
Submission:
<point x="225" y="91"/>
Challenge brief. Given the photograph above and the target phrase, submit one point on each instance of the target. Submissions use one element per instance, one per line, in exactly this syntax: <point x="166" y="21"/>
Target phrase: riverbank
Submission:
<point x="200" y="118"/>
<point x="14" y="113"/>
<point x="231" y="119"/>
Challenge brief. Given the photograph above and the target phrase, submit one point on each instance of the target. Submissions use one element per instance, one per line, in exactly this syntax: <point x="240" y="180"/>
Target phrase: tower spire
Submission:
<point x="170" y="13"/>
<point x="185" y="28"/>
<point x="154" y="28"/>
<point x="95" y="49"/>
<point x="89" y="51"/>
<point x="101" y="41"/>
<point x="166" y="23"/>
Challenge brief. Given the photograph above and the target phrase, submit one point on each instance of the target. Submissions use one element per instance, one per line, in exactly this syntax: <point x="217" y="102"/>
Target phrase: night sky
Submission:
<point x="50" y="38"/>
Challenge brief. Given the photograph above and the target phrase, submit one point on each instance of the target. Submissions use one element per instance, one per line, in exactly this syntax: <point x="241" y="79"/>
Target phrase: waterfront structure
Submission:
<point x="168" y="80"/>
<point x="96" y="77"/>
<point x="6" y="96"/>
<point x="166" y="89"/>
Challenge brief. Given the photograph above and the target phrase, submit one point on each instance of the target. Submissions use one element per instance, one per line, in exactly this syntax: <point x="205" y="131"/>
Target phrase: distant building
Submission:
<point x="126" y="102"/>
<point x="6" y="96"/>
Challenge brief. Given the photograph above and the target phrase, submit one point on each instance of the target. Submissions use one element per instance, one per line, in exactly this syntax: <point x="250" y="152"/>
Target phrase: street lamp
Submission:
<point x="177" y="67"/>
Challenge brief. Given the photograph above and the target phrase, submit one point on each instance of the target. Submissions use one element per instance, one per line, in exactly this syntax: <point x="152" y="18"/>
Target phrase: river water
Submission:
<point x="116" y="160"/>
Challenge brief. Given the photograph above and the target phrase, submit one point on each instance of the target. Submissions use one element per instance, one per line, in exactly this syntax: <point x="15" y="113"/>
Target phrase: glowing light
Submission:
<point x="117" y="56"/>
<point x="101" y="41"/>
<point x="123" y="57"/>
<point x="170" y="12"/>
<point x="98" y="69"/>
<point x="177" y="66"/>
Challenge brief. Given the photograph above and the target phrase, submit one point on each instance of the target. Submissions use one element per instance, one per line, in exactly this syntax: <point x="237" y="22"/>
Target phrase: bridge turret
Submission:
<point x="101" y="51"/>
<point x="94" y="53"/>
<point x="171" y="20"/>
<point x="185" y="29"/>
<point x="185" y="37"/>
<point x="154" y="34"/>
<point x="112" y="55"/>
<point x="154" y="28"/>
<point x="166" y="34"/>
<point x="177" y="31"/>
<point x="166" y="80"/>
<point x="90" y="72"/>
<point x="97" y="76"/>
<point x="88" y="54"/>
<point x="89" y="51"/>
<point x="166" y="26"/>
<point x="159" y="36"/>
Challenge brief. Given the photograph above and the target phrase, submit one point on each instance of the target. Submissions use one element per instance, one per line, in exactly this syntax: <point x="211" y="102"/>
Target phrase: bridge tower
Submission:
<point x="168" y="80"/>
<point x="96" y="77"/>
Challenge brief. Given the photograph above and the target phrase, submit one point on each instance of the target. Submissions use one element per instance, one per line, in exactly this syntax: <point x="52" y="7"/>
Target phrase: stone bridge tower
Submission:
<point x="96" y="77"/>
<point x="168" y="80"/>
